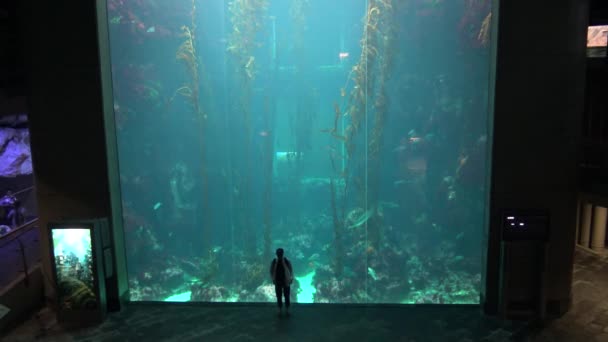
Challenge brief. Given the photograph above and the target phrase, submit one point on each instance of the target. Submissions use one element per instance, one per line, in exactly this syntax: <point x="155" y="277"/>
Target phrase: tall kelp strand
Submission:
<point x="191" y="91"/>
<point x="247" y="18"/>
<point x="186" y="54"/>
<point x="380" y="44"/>
<point x="306" y="102"/>
<point x="366" y="109"/>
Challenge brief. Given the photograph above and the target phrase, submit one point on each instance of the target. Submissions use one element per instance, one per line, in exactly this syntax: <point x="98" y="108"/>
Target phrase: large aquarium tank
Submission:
<point x="352" y="133"/>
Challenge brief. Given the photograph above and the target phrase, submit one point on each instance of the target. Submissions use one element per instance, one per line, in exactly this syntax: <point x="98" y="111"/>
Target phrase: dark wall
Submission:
<point x="12" y="68"/>
<point x="65" y="111"/>
<point x="12" y="80"/>
<point x="599" y="12"/>
<point x="594" y="153"/>
<point x="539" y="100"/>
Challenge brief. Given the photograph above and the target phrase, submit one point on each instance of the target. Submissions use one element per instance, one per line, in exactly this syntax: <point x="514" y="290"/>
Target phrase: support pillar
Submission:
<point x="585" y="227"/>
<point x="598" y="239"/>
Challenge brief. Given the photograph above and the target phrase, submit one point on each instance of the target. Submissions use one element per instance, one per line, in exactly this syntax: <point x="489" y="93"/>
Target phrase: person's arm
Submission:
<point x="272" y="267"/>
<point x="290" y="268"/>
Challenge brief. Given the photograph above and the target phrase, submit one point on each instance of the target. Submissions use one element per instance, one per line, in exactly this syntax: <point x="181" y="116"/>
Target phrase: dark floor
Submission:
<point x="587" y="321"/>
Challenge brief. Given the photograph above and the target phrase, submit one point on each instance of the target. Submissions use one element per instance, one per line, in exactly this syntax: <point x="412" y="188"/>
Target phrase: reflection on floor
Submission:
<point x="587" y="321"/>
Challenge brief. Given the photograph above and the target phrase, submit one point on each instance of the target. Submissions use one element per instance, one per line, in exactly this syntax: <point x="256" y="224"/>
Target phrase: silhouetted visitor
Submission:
<point x="282" y="277"/>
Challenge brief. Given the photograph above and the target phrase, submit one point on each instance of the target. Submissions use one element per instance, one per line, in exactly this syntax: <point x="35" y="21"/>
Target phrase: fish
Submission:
<point x="372" y="273"/>
<point x="484" y="33"/>
<point x="390" y="205"/>
<point x="151" y="29"/>
<point x="462" y="161"/>
<point x="249" y="62"/>
<point x="362" y="219"/>
<point x="400" y="148"/>
<point x="157" y="205"/>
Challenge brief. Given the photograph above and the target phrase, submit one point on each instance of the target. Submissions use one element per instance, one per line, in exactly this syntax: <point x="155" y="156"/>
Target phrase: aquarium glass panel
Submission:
<point x="72" y="252"/>
<point x="351" y="133"/>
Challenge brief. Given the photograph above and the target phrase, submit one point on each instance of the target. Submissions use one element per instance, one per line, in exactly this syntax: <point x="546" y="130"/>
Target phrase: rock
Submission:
<point x="172" y="277"/>
<point x="15" y="154"/>
<point x="213" y="293"/>
<point x="265" y="293"/>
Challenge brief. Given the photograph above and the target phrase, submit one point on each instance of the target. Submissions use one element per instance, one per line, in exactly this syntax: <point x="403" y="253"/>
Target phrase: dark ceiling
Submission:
<point x="12" y="77"/>
<point x="599" y="12"/>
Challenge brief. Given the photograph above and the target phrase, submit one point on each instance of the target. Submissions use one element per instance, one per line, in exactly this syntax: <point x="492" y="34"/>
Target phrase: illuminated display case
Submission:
<point x="78" y="271"/>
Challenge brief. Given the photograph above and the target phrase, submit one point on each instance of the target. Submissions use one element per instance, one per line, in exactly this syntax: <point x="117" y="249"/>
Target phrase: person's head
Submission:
<point x="280" y="253"/>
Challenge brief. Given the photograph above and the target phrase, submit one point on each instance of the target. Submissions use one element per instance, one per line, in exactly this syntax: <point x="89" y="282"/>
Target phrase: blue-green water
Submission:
<point x="351" y="133"/>
<point x="306" y="293"/>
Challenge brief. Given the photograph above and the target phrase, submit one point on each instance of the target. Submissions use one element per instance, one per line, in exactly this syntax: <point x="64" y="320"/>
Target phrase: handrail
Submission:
<point x="23" y="191"/>
<point x="25" y="242"/>
<point x="15" y="233"/>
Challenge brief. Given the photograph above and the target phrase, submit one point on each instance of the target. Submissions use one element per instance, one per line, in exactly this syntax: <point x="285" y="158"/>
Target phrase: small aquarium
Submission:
<point x="354" y="134"/>
<point x="74" y="266"/>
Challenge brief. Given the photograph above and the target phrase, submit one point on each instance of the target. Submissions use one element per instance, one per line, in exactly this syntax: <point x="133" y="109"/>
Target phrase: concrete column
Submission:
<point x="599" y="228"/>
<point x="533" y="90"/>
<point x="585" y="225"/>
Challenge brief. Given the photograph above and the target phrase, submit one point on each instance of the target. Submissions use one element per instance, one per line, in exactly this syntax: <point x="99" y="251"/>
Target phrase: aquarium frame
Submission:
<point x="489" y="246"/>
<point x="119" y="253"/>
<point x="79" y="316"/>
<point x="118" y="289"/>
